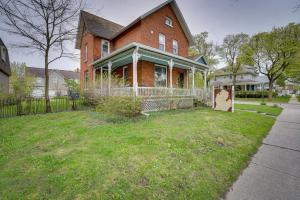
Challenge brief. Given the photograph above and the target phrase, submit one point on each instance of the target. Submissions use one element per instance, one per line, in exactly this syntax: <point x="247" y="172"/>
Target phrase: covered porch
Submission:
<point x="146" y="71"/>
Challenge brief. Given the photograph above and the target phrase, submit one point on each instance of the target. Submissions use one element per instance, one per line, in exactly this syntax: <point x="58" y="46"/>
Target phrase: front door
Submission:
<point x="181" y="80"/>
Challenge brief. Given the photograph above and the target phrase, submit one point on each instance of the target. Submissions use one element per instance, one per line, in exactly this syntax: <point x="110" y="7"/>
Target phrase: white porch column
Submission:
<point x="101" y="78"/>
<point x="205" y="74"/>
<point x="109" y="64"/>
<point x="135" y="59"/>
<point x="171" y="64"/>
<point x="94" y="78"/>
<point x="193" y="79"/>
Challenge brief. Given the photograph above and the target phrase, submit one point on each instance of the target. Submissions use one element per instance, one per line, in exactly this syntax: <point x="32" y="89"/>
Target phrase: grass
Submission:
<point x="270" y="110"/>
<point x="183" y="154"/>
<point x="282" y="99"/>
<point x="298" y="97"/>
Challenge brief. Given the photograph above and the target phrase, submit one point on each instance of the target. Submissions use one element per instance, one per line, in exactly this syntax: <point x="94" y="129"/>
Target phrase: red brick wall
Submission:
<point x="87" y="39"/>
<point x="131" y="35"/>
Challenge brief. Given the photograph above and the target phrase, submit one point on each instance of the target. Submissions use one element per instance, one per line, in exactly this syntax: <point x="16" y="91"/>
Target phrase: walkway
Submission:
<point x="274" y="172"/>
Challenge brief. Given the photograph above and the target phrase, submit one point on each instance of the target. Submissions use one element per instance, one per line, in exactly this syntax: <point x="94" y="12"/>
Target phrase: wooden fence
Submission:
<point x="27" y="106"/>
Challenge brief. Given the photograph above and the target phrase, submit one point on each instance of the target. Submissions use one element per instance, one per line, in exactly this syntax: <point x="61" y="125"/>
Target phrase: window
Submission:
<point x="3" y="53"/>
<point x="125" y="76"/>
<point x="86" y="53"/>
<point x="181" y="80"/>
<point x="104" y="48"/>
<point x="162" y="42"/>
<point x="168" y="21"/>
<point x="230" y="76"/>
<point x="175" y="47"/>
<point x="86" y="79"/>
<point x="160" y="76"/>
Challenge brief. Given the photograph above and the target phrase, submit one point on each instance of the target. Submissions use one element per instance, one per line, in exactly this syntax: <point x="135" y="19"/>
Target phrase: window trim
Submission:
<point x="166" y="68"/>
<point x="102" y="42"/>
<point x="86" y="53"/>
<point x="174" y="48"/>
<point x="169" y="19"/>
<point x="159" y="36"/>
<point x="85" y="78"/>
<point x="125" y="67"/>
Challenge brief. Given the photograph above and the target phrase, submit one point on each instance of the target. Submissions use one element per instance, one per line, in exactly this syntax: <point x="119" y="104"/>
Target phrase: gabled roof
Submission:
<point x="244" y="69"/>
<point x="110" y="30"/>
<point x="177" y="12"/>
<point x="198" y="58"/>
<point x="40" y="72"/>
<point x="97" y="26"/>
<point x="5" y="66"/>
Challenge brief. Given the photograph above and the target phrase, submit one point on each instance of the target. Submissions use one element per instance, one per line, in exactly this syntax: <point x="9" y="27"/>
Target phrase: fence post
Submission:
<point x="213" y="97"/>
<point x="232" y="98"/>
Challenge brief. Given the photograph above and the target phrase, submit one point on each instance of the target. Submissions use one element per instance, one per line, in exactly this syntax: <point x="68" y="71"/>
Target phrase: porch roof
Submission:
<point x="123" y="56"/>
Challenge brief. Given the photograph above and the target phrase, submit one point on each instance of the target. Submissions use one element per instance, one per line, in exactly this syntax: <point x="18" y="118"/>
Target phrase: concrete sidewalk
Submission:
<point x="274" y="172"/>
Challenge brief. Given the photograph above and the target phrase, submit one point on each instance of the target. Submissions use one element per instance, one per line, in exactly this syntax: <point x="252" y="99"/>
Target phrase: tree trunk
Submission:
<point x="234" y="80"/>
<point x="48" y="105"/>
<point x="270" y="91"/>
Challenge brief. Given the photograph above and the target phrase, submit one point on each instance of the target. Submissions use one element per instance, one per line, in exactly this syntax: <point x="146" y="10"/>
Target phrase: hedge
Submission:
<point x="253" y="94"/>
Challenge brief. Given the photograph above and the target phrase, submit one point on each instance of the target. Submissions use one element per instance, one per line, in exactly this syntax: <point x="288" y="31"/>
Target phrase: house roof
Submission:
<point x="40" y="72"/>
<point x="110" y="30"/>
<point x="244" y="69"/>
<point x="198" y="58"/>
<point x="5" y="66"/>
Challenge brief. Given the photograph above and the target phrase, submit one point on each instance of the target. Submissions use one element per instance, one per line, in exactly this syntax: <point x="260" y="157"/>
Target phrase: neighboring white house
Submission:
<point x="57" y="78"/>
<point x="247" y="79"/>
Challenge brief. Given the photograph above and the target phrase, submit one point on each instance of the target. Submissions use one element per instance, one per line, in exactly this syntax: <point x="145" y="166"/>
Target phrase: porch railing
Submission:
<point x="153" y="92"/>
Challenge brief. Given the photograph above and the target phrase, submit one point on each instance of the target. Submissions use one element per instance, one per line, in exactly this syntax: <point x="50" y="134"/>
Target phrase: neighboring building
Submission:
<point x="56" y="81"/>
<point x="247" y="79"/>
<point x="151" y="52"/>
<point x="4" y="68"/>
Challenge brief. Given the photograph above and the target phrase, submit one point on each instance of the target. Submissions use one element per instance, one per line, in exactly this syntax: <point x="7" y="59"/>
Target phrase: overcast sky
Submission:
<point x="218" y="17"/>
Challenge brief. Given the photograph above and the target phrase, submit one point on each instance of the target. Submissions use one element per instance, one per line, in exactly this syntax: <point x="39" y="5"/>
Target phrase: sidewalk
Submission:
<point x="274" y="172"/>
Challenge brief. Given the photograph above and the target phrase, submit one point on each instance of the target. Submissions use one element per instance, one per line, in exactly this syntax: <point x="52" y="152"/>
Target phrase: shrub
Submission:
<point x="263" y="103"/>
<point x="253" y="94"/>
<point x="120" y="106"/>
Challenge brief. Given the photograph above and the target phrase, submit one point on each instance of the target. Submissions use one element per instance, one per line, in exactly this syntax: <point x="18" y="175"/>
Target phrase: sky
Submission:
<point x="218" y="17"/>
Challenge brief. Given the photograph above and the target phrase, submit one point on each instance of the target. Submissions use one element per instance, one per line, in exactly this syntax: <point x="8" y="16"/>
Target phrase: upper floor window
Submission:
<point x="104" y="48"/>
<point x="86" y="53"/>
<point x="175" y="47"/>
<point x="162" y="42"/>
<point x="168" y="21"/>
<point x="3" y="53"/>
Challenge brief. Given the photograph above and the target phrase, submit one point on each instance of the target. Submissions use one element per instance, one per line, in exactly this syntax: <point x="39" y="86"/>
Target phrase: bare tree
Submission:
<point x="230" y="51"/>
<point x="42" y="25"/>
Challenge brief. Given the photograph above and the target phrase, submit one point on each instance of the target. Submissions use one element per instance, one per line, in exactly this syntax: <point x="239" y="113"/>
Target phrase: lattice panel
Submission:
<point x="166" y="104"/>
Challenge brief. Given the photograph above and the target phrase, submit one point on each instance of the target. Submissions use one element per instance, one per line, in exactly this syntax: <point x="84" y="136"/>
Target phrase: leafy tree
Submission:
<point x="274" y="52"/>
<point x="44" y="26"/>
<point x="21" y="83"/>
<point x="72" y="85"/>
<point x="204" y="48"/>
<point x="231" y="51"/>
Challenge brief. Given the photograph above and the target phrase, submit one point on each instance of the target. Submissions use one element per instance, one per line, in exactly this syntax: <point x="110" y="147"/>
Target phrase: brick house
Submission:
<point x="148" y="54"/>
<point x="5" y="70"/>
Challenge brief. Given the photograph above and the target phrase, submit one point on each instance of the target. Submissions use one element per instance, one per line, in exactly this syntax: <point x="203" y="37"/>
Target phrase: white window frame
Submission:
<point x="86" y="53"/>
<point x="166" y="68"/>
<point x="102" y="43"/>
<point x="175" y="42"/>
<point x="125" y="67"/>
<point x="168" y="21"/>
<point x="164" y="41"/>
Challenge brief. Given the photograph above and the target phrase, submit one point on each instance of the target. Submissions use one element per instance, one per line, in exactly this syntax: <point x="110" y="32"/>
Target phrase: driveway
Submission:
<point x="274" y="172"/>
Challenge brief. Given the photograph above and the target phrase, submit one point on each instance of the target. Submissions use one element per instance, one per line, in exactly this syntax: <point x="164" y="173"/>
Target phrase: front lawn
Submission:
<point x="282" y="99"/>
<point x="184" y="154"/>
<point x="270" y="110"/>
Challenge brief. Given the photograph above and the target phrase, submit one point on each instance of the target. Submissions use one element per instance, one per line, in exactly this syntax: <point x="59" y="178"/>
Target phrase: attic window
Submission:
<point x="169" y="22"/>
